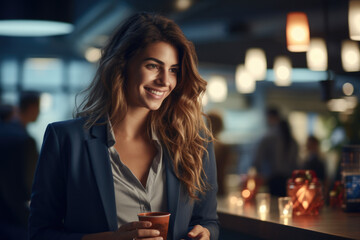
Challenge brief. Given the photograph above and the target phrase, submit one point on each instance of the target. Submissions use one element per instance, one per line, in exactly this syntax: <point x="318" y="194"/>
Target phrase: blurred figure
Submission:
<point x="222" y="151"/>
<point x="17" y="165"/>
<point x="6" y="112"/>
<point x="276" y="154"/>
<point x="313" y="160"/>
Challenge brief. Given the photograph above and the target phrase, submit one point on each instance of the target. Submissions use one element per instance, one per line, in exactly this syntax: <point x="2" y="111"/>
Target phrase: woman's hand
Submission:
<point x="129" y="231"/>
<point x="199" y="233"/>
<point x="137" y="230"/>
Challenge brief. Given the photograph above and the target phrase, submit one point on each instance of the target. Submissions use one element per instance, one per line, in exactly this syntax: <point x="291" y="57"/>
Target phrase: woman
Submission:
<point x="139" y="144"/>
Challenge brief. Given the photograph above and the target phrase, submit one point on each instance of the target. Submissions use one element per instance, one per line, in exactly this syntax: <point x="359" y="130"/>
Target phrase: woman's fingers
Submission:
<point x="199" y="233"/>
<point x="137" y="230"/>
<point x="135" y="225"/>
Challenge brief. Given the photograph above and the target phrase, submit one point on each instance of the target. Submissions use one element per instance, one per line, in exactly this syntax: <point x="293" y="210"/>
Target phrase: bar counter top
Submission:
<point x="331" y="223"/>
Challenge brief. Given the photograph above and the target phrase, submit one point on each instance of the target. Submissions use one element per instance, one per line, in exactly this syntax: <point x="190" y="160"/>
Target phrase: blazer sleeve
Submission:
<point x="205" y="212"/>
<point x="48" y="199"/>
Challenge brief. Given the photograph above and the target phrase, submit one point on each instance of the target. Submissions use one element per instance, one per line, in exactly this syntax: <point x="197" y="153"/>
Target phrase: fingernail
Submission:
<point x="157" y="232"/>
<point x="148" y="224"/>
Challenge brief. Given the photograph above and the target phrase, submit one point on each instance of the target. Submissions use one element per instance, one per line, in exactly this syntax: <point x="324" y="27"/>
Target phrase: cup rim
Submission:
<point x="160" y="214"/>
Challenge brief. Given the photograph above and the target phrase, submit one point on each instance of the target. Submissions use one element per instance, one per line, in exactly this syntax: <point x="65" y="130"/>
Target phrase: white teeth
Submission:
<point x="156" y="92"/>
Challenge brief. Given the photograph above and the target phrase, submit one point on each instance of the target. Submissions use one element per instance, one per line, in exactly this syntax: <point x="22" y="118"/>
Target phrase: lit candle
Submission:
<point x="285" y="207"/>
<point x="263" y="205"/>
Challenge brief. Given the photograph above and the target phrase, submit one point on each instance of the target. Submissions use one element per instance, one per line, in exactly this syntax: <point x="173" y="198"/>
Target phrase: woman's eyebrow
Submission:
<point x="159" y="61"/>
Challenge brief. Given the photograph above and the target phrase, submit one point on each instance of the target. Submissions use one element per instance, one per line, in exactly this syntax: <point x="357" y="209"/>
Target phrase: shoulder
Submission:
<point x="71" y="127"/>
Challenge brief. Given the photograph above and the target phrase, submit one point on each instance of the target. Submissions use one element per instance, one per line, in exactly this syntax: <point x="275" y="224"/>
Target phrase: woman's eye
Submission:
<point x="152" y="66"/>
<point x="174" y="70"/>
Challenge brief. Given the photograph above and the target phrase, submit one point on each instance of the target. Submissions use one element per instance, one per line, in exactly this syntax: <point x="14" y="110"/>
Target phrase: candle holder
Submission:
<point x="306" y="192"/>
<point x="263" y="205"/>
<point x="285" y="207"/>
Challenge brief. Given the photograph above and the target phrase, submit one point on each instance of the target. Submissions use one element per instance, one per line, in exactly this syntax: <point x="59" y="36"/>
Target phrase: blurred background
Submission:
<point x="317" y="98"/>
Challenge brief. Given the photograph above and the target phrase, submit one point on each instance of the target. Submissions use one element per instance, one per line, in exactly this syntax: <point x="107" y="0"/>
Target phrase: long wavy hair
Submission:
<point x="179" y="121"/>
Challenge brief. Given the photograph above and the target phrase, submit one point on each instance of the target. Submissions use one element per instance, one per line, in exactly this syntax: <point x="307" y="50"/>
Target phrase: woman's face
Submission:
<point x="152" y="75"/>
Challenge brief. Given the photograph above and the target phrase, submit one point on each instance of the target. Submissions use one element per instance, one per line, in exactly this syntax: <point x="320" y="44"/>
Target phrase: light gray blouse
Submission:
<point x="130" y="195"/>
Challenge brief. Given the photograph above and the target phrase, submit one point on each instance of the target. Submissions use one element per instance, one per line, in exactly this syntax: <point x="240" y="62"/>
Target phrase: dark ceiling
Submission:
<point x="222" y="30"/>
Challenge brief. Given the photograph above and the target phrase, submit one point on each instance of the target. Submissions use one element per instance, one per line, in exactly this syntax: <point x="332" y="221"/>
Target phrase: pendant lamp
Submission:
<point x="297" y="32"/>
<point x="282" y="71"/>
<point x="354" y="20"/>
<point x="35" y="18"/>
<point x="245" y="82"/>
<point x="255" y="63"/>
<point x="350" y="56"/>
<point x="217" y="89"/>
<point x="316" y="56"/>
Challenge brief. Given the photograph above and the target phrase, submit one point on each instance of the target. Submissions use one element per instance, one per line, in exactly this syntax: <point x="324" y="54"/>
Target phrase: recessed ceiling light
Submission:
<point x="34" y="28"/>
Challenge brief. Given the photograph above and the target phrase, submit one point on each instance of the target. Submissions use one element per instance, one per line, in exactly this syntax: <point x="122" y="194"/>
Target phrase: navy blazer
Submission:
<point x="73" y="189"/>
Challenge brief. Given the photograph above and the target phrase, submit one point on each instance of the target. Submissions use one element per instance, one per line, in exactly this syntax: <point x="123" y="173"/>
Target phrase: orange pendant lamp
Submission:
<point x="297" y="32"/>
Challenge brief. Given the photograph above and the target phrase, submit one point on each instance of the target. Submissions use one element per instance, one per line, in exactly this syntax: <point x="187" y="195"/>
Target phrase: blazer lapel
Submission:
<point x="99" y="158"/>
<point x="173" y="193"/>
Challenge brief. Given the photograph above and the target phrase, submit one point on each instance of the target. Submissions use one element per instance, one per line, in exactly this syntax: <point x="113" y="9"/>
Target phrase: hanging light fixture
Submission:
<point x="245" y="82"/>
<point x="282" y="71"/>
<point x="36" y="18"/>
<point x="297" y="32"/>
<point x="217" y="89"/>
<point x="350" y="56"/>
<point x="255" y="63"/>
<point x="354" y="20"/>
<point x="316" y="57"/>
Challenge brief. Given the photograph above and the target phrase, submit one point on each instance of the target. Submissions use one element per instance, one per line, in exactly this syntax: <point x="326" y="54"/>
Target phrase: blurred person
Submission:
<point x="222" y="151"/>
<point x="276" y="154"/>
<point x="6" y="112"/>
<point x="139" y="143"/>
<point x="17" y="165"/>
<point x="313" y="159"/>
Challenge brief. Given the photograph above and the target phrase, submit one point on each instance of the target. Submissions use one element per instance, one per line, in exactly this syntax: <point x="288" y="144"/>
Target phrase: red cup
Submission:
<point x="159" y="220"/>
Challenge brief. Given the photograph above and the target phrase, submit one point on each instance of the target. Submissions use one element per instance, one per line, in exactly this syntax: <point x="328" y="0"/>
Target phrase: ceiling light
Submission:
<point x="282" y="71"/>
<point x="316" y="57"/>
<point x="217" y="89"/>
<point x="33" y="28"/>
<point x="354" y="20"/>
<point x="93" y="54"/>
<point x="35" y="18"/>
<point x="350" y="56"/>
<point x="182" y="5"/>
<point x="255" y="63"/>
<point x="348" y="89"/>
<point x="297" y="32"/>
<point x="245" y="82"/>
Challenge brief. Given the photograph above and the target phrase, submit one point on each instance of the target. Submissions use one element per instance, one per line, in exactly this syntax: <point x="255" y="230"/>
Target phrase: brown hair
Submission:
<point x="179" y="121"/>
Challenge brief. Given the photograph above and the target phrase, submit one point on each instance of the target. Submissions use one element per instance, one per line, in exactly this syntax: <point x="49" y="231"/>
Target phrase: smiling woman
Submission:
<point x="139" y="144"/>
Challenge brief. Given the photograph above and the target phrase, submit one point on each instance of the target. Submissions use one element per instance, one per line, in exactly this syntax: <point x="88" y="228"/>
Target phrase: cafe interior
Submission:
<point x="301" y="58"/>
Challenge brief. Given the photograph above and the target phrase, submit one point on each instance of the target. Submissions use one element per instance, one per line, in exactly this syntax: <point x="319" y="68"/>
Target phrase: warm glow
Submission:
<point x="297" y="32"/>
<point x="350" y="56"/>
<point x="354" y="20"/>
<point x="305" y="204"/>
<point x="316" y="57"/>
<point x="251" y="184"/>
<point x="285" y="212"/>
<point x="282" y="70"/>
<point x="245" y="193"/>
<point x="263" y="208"/>
<point x="204" y="99"/>
<point x="182" y="5"/>
<point x="217" y="89"/>
<point x="337" y="105"/>
<point x="244" y="81"/>
<point x="255" y="63"/>
<point x="348" y="89"/>
<point x="93" y="54"/>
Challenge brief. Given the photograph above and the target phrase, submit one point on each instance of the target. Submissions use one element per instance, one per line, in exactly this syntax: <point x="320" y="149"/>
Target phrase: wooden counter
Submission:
<point x="329" y="224"/>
